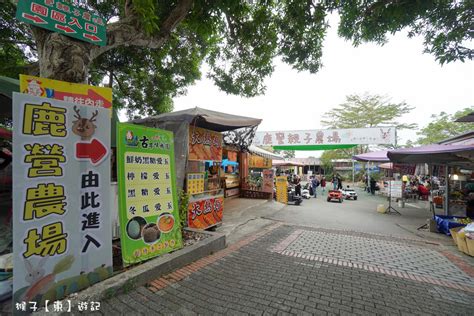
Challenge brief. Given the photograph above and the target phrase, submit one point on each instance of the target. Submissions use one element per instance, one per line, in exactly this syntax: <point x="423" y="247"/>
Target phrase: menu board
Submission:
<point x="395" y="189"/>
<point x="149" y="213"/>
<point x="256" y="161"/>
<point x="195" y="183"/>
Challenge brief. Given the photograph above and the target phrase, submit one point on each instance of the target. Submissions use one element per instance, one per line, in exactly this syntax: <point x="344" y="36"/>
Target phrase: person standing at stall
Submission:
<point x="314" y="185"/>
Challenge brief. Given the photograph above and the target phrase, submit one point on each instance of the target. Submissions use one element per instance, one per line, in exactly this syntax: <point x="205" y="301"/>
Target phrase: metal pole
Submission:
<point x="368" y="176"/>
<point x="446" y="193"/>
<point x="353" y="167"/>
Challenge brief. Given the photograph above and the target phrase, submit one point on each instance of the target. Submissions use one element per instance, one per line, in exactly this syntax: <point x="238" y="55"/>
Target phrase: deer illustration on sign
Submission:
<point x="385" y="135"/>
<point x="84" y="127"/>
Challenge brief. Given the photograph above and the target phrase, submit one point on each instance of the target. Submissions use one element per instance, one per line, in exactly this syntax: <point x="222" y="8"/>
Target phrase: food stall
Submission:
<point x="453" y="187"/>
<point x="446" y="162"/>
<point x="199" y="155"/>
<point x="259" y="179"/>
<point x="231" y="171"/>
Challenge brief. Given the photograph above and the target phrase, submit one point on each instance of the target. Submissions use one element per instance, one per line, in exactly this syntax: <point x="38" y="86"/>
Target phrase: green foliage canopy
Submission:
<point x="443" y="126"/>
<point x="360" y="111"/>
<point x="155" y="48"/>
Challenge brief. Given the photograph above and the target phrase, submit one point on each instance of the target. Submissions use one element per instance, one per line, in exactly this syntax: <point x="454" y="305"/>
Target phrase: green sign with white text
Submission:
<point x="148" y="212"/>
<point x="64" y="18"/>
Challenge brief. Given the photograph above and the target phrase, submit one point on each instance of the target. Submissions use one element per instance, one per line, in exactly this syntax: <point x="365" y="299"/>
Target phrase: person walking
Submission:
<point x="372" y="185"/>
<point x="314" y="186"/>
<point x="339" y="183"/>
<point x="335" y="183"/>
<point x="297" y="183"/>
<point x="323" y="184"/>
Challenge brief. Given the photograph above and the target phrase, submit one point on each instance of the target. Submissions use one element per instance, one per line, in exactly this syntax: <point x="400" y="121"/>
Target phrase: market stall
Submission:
<point x="259" y="180"/>
<point x="287" y="167"/>
<point x="375" y="157"/>
<point x="452" y="183"/>
<point x="452" y="166"/>
<point x="203" y="168"/>
<point x="231" y="171"/>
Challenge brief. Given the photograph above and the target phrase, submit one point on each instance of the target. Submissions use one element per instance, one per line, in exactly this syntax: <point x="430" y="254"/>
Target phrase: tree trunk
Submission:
<point x="61" y="57"/>
<point x="64" y="58"/>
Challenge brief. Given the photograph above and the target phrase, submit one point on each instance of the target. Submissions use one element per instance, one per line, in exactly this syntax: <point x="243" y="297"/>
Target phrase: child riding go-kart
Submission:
<point x="335" y="195"/>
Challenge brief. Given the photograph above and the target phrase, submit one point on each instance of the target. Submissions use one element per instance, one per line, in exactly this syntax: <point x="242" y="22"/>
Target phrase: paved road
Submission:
<point x="357" y="215"/>
<point x="287" y="269"/>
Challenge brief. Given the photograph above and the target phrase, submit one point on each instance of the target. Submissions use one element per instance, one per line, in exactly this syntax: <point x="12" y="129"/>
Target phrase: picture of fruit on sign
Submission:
<point x="166" y="222"/>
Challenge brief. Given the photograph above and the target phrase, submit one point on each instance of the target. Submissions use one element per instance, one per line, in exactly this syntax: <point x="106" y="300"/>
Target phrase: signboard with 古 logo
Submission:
<point x="61" y="214"/>
<point x="80" y="94"/>
<point x="149" y="215"/>
<point x="204" y="144"/>
<point x="64" y="18"/>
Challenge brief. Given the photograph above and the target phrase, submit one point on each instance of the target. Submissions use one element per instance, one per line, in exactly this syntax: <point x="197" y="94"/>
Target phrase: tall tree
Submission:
<point x="155" y="48"/>
<point x="443" y="126"/>
<point x="367" y="111"/>
<point x="359" y="111"/>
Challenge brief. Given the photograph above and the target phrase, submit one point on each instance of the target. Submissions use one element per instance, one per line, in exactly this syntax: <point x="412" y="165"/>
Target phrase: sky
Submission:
<point x="297" y="100"/>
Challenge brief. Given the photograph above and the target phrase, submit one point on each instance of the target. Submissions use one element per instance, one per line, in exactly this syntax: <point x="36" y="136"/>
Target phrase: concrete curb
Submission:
<point x="143" y="273"/>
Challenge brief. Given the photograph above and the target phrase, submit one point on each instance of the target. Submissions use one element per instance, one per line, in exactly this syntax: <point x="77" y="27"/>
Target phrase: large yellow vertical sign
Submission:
<point x="282" y="189"/>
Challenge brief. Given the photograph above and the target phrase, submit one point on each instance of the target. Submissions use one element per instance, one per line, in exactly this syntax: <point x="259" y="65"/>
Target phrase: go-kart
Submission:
<point x="306" y="192"/>
<point x="335" y="195"/>
<point x="349" y="193"/>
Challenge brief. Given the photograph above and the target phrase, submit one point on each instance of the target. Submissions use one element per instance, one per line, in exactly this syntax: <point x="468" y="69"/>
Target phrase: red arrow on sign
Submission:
<point x="34" y="18"/>
<point x="95" y="151"/>
<point x="92" y="37"/>
<point x="64" y="28"/>
<point x="59" y="95"/>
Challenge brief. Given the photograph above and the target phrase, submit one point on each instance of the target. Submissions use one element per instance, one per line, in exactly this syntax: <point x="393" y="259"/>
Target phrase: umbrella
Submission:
<point x="376" y="156"/>
<point x="386" y="165"/>
<point x="436" y="153"/>
<point x="213" y="120"/>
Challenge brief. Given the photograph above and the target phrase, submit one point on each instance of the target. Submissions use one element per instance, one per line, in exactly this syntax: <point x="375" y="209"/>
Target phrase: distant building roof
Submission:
<point x="341" y="160"/>
<point x="287" y="163"/>
<point x="264" y="153"/>
<point x="311" y="161"/>
<point x="463" y="139"/>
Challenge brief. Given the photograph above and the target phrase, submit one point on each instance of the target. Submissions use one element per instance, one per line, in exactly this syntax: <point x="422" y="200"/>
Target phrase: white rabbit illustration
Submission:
<point x="34" y="274"/>
<point x="39" y="282"/>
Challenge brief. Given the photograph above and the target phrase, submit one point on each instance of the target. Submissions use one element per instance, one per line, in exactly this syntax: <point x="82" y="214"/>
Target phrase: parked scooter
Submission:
<point x="293" y="198"/>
